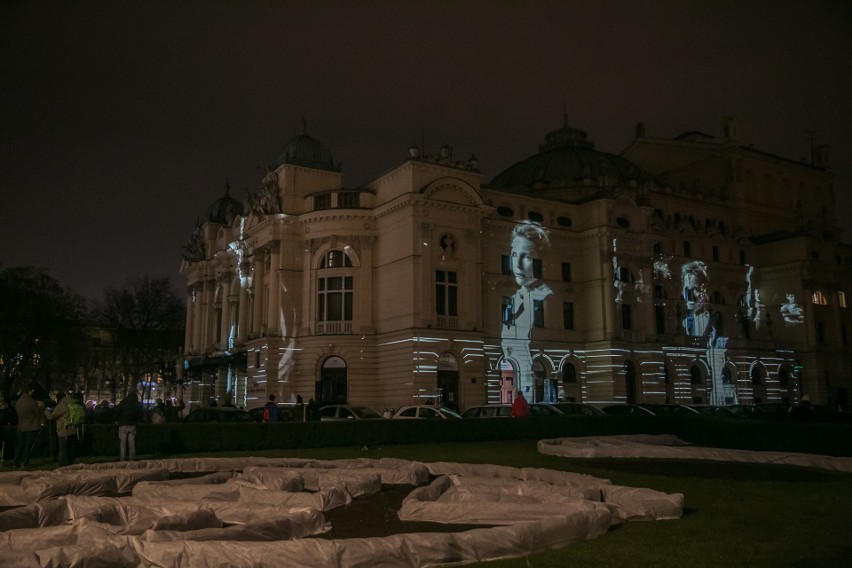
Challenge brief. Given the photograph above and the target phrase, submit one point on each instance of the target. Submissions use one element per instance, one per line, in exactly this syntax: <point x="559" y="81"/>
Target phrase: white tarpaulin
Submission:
<point x="263" y="512"/>
<point x="671" y="447"/>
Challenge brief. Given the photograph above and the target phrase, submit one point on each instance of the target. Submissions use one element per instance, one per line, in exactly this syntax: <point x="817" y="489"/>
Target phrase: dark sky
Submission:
<point x="122" y="121"/>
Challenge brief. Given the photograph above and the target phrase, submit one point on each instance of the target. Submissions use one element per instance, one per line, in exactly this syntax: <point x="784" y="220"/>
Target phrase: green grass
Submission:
<point x="749" y="515"/>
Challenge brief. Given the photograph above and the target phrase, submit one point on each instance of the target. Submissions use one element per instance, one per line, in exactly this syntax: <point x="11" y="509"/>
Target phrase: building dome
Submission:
<point x="303" y="150"/>
<point x="566" y="159"/>
<point x="225" y="209"/>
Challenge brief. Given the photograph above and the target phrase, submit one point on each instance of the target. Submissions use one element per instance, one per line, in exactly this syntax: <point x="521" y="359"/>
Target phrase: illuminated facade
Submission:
<point x="685" y="270"/>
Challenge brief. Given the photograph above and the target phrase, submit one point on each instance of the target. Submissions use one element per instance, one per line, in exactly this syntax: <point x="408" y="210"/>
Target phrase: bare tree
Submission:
<point x="145" y="318"/>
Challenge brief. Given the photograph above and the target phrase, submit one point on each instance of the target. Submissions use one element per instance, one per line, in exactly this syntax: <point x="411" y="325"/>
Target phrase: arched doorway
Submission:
<point x="331" y="388"/>
<point x="570" y="383"/>
<point x="757" y="374"/>
<point x="546" y="389"/>
<point x="507" y="381"/>
<point x="448" y="380"/>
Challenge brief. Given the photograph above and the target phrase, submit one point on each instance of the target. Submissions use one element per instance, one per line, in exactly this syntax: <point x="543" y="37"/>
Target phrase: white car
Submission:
<point x="427" y="412"/>
<point x="335" y="412"/>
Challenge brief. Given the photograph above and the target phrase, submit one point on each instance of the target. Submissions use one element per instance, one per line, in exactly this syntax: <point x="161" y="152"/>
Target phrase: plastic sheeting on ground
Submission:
<point x="258" y="512"/>
<point x="672" y="447"/>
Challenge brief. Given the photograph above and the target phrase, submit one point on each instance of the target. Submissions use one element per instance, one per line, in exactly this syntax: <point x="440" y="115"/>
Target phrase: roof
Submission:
<point x="567" y="158"/>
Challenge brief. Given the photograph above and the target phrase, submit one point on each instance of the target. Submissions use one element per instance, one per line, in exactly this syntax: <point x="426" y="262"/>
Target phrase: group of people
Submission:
<point x="301" y="412"/>
<point x="66" y="415"/>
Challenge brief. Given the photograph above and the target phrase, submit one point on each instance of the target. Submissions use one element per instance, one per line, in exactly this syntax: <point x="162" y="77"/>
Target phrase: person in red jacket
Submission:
<point x="520" y="408"/>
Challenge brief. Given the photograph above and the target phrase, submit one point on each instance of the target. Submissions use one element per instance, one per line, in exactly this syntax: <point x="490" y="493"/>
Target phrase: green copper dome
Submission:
<point x="225" y="209"/>
<point x="566" y="159"/>
<point x="303" y="150"/>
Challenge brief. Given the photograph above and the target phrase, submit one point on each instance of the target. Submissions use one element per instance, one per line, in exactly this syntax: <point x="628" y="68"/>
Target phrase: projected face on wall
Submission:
<point x="792" y="312"/>
<point x="694" y="283"/>
<point x="524" y="310"/>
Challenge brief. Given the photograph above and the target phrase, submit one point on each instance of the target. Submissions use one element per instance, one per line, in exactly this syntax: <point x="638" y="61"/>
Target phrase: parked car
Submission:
<point x="577" y="409"/>
<point x="626" y="410"/>
<point x="286" y="412"/>
<point x="219" y="414"/>
<point x="669" y="409"/>
<point x="334" y="412"/>
<point x="718" y="410"/>
<point x="428" y="412"/>
<point x="543" y="409"/>
<point x="488" y="411"/>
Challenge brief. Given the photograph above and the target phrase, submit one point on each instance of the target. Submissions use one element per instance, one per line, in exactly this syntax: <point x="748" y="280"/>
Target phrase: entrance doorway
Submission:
<point x="448" y="380"/>
<point x="331" y="388"/>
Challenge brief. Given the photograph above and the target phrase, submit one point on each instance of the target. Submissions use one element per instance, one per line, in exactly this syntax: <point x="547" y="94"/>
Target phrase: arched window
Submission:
<point x="696" y="377"/>
<point x="335" y="292"/>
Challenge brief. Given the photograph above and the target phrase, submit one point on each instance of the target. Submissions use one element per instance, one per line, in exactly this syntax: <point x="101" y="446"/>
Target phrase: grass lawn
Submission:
<point x="750" y="515"/>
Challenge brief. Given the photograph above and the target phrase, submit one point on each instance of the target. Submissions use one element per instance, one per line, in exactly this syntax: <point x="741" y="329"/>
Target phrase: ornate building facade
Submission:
<point x="690" y="270"/>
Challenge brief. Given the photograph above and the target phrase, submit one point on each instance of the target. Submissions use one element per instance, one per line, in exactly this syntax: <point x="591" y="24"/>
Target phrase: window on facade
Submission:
<point x="841" y="299"/>
<point x="537" y="268"/>
<point x="659" y="292"/>
<point x="820" y="332"/>
<point x="726" y="376"/>
<point x="336" y="259"/>
<point x="756" y="376"/>
<point x="563" y="222"/>
<point x="626" y="317"/>
<point x="695" y="375"/>
<point x="334" y="298"/>
<point x="322" y="201"/>
<point x="844" y="338"/>
<point x="818" y="298"/>
<point x="568" y="315"/>
<point x="505" y="264"/>
<point x="687" y="248"/>
<point x="660" y="319"/>
<point x="742" y="257"/>
<point x="569" y="373"/>
<point x="348" y="199"/>
<point x="783" y="377"/>
<point x="623" y="222"/>
<point x="538" y="313"/>
<point x="536" y="216"/>
<point x="715" y="253"/>
<point x="717" y="298"/>
<point x="566" y="272"/>
<point x="446" y="293"/>
<point x="504" y="211"/>
<point x="658" y="247"/>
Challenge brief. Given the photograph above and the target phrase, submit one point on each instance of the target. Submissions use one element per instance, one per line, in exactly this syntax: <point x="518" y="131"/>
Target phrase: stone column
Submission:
<point x="274" y="290"/>
<point x="257" y="286"/>
<point x="225" y="321"/>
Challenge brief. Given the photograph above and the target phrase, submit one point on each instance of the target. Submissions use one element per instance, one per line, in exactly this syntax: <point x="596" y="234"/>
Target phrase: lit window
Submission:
<point x="841" y="299"/>
<point x="818" y="298"/>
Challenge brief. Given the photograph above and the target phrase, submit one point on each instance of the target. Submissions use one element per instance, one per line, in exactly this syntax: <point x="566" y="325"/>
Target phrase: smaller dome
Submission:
<point x="225" y="209"/>
<point x="303" y="150"/>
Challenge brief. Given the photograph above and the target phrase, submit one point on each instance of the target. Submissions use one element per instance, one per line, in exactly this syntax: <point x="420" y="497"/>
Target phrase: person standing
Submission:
<point x="30" y="413"/>
<point x="66" y="433"/>
<point x="520" y="408"/>
<point x="129" y="413"/>
<point x="270" y="410"/>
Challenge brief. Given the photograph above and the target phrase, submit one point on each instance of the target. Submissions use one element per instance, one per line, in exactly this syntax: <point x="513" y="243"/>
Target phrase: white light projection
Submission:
<point x="528" y="242"/>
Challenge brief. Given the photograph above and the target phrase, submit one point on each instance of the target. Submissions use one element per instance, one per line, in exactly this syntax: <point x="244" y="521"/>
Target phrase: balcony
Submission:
<point x="448" y="322"/>
<point x="334" y="328"/>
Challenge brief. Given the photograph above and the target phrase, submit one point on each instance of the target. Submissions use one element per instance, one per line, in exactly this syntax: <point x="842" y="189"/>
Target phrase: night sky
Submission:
<point x="122" y="121"/>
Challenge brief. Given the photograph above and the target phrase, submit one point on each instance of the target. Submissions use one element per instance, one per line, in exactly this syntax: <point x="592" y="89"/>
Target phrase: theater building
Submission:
<point x="692" y="270"/>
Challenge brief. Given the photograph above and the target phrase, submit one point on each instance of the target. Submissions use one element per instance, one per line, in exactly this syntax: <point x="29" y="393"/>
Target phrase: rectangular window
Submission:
<point x="537" y="268"/>
<point x="687" y="248"/>
<point x="568" y="315"/>
<point x="715" y="253"/>
<point x="348" y="199"/>
<point x="820" y="329"/>
<point x="660" y="319"/>
<point x="538" y="313"/>
<point x="841" y="299"/>
<point x="322" y="201"/>
<point x="742" y="257"/>
<point x="334" y="299"/>
<point x="446" y="293"/>
<point x="626" y="317"/>
<point x="566" y="272"/>
<point x="505" y="264"/>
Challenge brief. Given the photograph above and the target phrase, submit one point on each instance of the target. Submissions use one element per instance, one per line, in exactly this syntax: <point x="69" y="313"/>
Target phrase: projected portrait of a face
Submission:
<point x="792" y="312"/>
<point x="694" y="282"/>
<point x="525" y="309"/>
